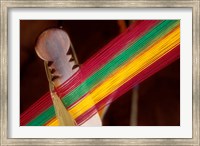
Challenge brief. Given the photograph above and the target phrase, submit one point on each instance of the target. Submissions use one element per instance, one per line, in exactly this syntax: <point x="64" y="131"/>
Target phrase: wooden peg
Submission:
<point x="53" y="46"/>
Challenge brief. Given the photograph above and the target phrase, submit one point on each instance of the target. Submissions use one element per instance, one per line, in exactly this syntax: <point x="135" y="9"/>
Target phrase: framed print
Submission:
<point x="100" y="72"/>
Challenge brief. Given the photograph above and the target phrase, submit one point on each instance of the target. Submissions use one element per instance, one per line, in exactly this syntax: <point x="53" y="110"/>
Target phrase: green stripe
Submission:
<point x="159" y="31"/>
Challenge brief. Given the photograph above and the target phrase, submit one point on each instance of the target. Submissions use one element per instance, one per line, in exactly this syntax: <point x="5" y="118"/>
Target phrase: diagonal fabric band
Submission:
<point x="126" y="61"/>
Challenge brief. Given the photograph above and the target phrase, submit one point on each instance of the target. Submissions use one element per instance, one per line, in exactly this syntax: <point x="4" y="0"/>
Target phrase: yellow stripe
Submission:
<point x="126" y="72"/>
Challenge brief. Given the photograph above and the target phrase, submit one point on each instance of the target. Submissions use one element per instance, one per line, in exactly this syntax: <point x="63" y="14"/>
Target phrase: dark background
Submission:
<point x="158" y="96"/>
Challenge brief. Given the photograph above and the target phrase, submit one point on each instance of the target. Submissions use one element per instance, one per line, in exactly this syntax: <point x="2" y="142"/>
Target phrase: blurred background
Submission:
<point x="154" y="102"/>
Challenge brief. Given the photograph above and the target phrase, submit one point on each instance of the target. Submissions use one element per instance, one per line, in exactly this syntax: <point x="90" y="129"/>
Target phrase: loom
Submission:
<point x="126" y="61"/>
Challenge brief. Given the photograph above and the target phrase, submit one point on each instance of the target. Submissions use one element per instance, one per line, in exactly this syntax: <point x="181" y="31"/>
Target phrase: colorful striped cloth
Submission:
<point x="139" y="52"/>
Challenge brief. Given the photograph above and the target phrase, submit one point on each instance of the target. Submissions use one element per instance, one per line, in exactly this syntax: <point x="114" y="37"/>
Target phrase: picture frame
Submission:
<point x="4" y="68"/>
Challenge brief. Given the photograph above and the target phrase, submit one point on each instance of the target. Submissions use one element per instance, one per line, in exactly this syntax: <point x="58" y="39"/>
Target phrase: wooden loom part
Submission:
<point x="53" y="46"/>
